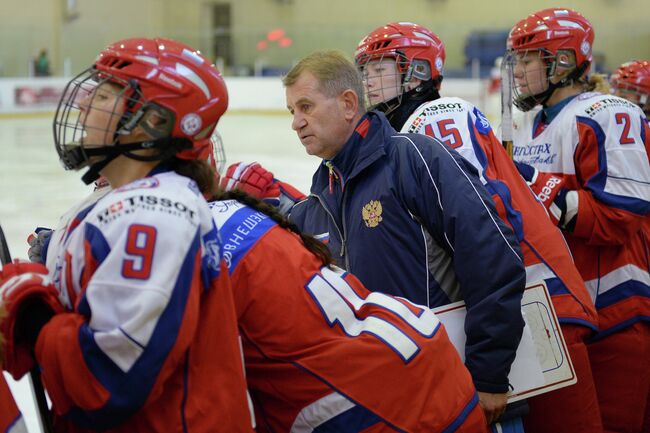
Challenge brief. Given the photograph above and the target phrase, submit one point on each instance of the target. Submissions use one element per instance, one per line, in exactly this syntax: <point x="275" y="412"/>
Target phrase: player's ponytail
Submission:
<point x="199" y="171"/>
<point x="598" y="83"/>
<point x="315" y="246"/>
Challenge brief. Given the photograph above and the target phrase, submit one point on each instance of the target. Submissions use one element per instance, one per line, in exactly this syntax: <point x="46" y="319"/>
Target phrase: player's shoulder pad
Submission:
<point x="150" y="199"/>
<point x="432" y="111"/>
<point x="602" y="107"/>
<point x="240" y="227"/>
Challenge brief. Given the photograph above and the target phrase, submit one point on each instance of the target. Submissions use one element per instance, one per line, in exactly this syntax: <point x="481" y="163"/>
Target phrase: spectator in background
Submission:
<point x="595" y="146"/>
<point x="42" y="64"/>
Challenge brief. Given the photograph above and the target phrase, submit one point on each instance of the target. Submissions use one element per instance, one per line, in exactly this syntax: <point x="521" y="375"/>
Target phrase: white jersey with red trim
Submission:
<point x="599" y="144"/>
<point x="139" y="272"/>
<point x="463" y="127"/>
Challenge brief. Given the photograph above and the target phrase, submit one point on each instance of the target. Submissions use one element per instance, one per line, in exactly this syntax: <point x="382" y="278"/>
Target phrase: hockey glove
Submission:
<point x="561" y="203"/>
<point x="254" y="180"/>
<point x="38" y="242"/>
<point x="28" y="301"/>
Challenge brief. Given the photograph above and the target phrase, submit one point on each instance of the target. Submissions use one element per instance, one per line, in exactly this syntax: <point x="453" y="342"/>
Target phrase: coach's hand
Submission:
<point x="493" y="405"/>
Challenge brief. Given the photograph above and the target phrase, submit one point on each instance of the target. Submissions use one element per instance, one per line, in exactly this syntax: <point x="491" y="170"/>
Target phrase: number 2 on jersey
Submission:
<point x="140" y="243"/>
<point x="448" y="133"/>
<point x="624" y="119"/>
<point x="340" y="304"/>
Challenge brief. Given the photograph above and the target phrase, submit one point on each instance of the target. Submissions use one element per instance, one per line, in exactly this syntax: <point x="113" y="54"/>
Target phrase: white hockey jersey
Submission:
<point x="599" y="145"/>
<point x="139" y="273"/>
<point x="463" y="127"/>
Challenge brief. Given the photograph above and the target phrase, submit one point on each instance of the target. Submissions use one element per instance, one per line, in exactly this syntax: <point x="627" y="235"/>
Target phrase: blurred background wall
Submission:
<point x="264" y="37"/>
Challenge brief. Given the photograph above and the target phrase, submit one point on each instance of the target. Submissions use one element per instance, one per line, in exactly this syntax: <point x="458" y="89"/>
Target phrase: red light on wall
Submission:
<point x="285" y="42"/>
<point x="275" y="34"/>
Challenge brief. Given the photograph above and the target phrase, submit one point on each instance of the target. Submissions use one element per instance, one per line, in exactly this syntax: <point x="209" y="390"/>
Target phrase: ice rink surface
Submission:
<point x="36" y="190"/>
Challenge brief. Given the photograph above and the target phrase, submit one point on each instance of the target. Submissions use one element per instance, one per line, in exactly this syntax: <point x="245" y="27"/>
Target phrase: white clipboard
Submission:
<point x="542" y="362"/>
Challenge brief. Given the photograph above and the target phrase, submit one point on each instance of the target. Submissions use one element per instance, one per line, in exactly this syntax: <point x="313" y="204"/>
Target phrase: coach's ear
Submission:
<point x="349" y="103"/>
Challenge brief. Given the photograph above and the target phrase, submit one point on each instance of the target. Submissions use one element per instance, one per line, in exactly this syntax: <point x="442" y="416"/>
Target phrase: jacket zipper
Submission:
<point x="338" y="229"/>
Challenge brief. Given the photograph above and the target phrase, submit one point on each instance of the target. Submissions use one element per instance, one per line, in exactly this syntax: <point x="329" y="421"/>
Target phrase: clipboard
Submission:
<point x="542" y="363"/>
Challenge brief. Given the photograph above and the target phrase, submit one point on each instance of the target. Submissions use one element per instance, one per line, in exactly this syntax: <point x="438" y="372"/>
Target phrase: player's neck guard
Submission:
<point x="411" y="100"/>
<point x="168" y="147"/>
<point x="527" y="103"/>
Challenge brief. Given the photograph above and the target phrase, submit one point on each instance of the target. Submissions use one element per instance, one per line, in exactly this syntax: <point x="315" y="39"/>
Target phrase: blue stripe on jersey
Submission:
<point x="622" y="291"/>
<point x="77" y="220"/>
<point x="353" y="420"/>
<point x="644" y="121"/>
<point x="460" y="419"/>
<point x="240" y="233"/>
<point x="129" y="390"/>
<point x="596" y="184"/>
<point x="212" y="258"/>
<point x="99" y="249"/>
<point x="555" y="286"/>
<point x="497" y="187"/>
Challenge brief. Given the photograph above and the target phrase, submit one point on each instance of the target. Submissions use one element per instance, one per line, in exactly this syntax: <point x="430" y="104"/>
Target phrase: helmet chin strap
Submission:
<point x="405" y="104"/>
<point x="527" y="103"/>
<point x="169" y="146"/>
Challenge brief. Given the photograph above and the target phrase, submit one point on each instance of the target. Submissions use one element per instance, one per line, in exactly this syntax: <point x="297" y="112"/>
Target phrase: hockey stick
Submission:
<point x="506" y="104"/>
<point x="34" y="375"/>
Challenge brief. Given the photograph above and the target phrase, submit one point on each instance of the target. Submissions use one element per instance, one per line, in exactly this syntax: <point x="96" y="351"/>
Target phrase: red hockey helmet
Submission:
<point x="563" y="38"/>
<point x="632" y="81"/>
<point x="554" y="30"/>
<point x="157" y="76"/>
<point x="420" y="53"/>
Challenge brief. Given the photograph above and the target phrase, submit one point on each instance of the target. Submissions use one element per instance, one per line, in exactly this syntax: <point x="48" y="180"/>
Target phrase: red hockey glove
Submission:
<point x="28" y="301"/>
<point x="253" y="179"/>
<point x="561" y="203"/>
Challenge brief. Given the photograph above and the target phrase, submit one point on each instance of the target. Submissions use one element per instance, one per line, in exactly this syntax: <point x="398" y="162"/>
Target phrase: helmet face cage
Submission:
<point x="416" y="52"/>
<point x="531" y="74"/>
<point x="96" y="110"/>
<point x="218" y="157"/>
<point x="564" y="38"/>
<point x="385" y="78"/>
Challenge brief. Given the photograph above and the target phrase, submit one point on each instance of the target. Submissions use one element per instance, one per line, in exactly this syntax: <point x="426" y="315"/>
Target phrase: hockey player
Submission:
<point x="118" y="325"/>
<point x="322" y="353"/>
<point x="402" y="65"/>
<point x="589" y="152"/>
<point x="632" y="82"/>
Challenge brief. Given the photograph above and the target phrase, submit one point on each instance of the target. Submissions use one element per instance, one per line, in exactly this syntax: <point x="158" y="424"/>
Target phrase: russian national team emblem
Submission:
<point x="371" y="213"/>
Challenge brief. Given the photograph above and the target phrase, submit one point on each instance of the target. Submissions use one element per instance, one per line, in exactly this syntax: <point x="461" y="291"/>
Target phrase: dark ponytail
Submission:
<point x="315" y="246"/>
<point x="199" y="171"/>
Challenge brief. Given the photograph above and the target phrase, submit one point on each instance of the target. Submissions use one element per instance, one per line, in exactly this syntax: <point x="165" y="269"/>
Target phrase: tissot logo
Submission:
<point x="146" y="202"/>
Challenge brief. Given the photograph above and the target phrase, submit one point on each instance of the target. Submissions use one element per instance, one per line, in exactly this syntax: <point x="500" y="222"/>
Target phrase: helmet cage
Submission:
<point x="535" y="87"/>
<point x="387" y="84"/>
<point x="77" y="140"/>
<point x="387" y="88"/>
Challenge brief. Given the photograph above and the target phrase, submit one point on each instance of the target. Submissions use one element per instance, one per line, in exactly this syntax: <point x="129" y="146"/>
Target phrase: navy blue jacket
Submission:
<point x="409" y="217"/>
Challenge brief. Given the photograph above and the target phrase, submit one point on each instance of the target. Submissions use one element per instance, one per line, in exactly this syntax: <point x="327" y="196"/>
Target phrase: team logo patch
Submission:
<point x="371" y="213"/>
<point x="585" y="48"/>
<point x="146" y="182"/>
<point x="482" y="124"/>
<point x="191" y="124"/>
<point x="439" y="64"/>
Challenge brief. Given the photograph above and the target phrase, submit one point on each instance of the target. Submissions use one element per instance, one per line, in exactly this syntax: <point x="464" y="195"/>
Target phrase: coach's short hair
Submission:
<point x="333" y="70"/>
